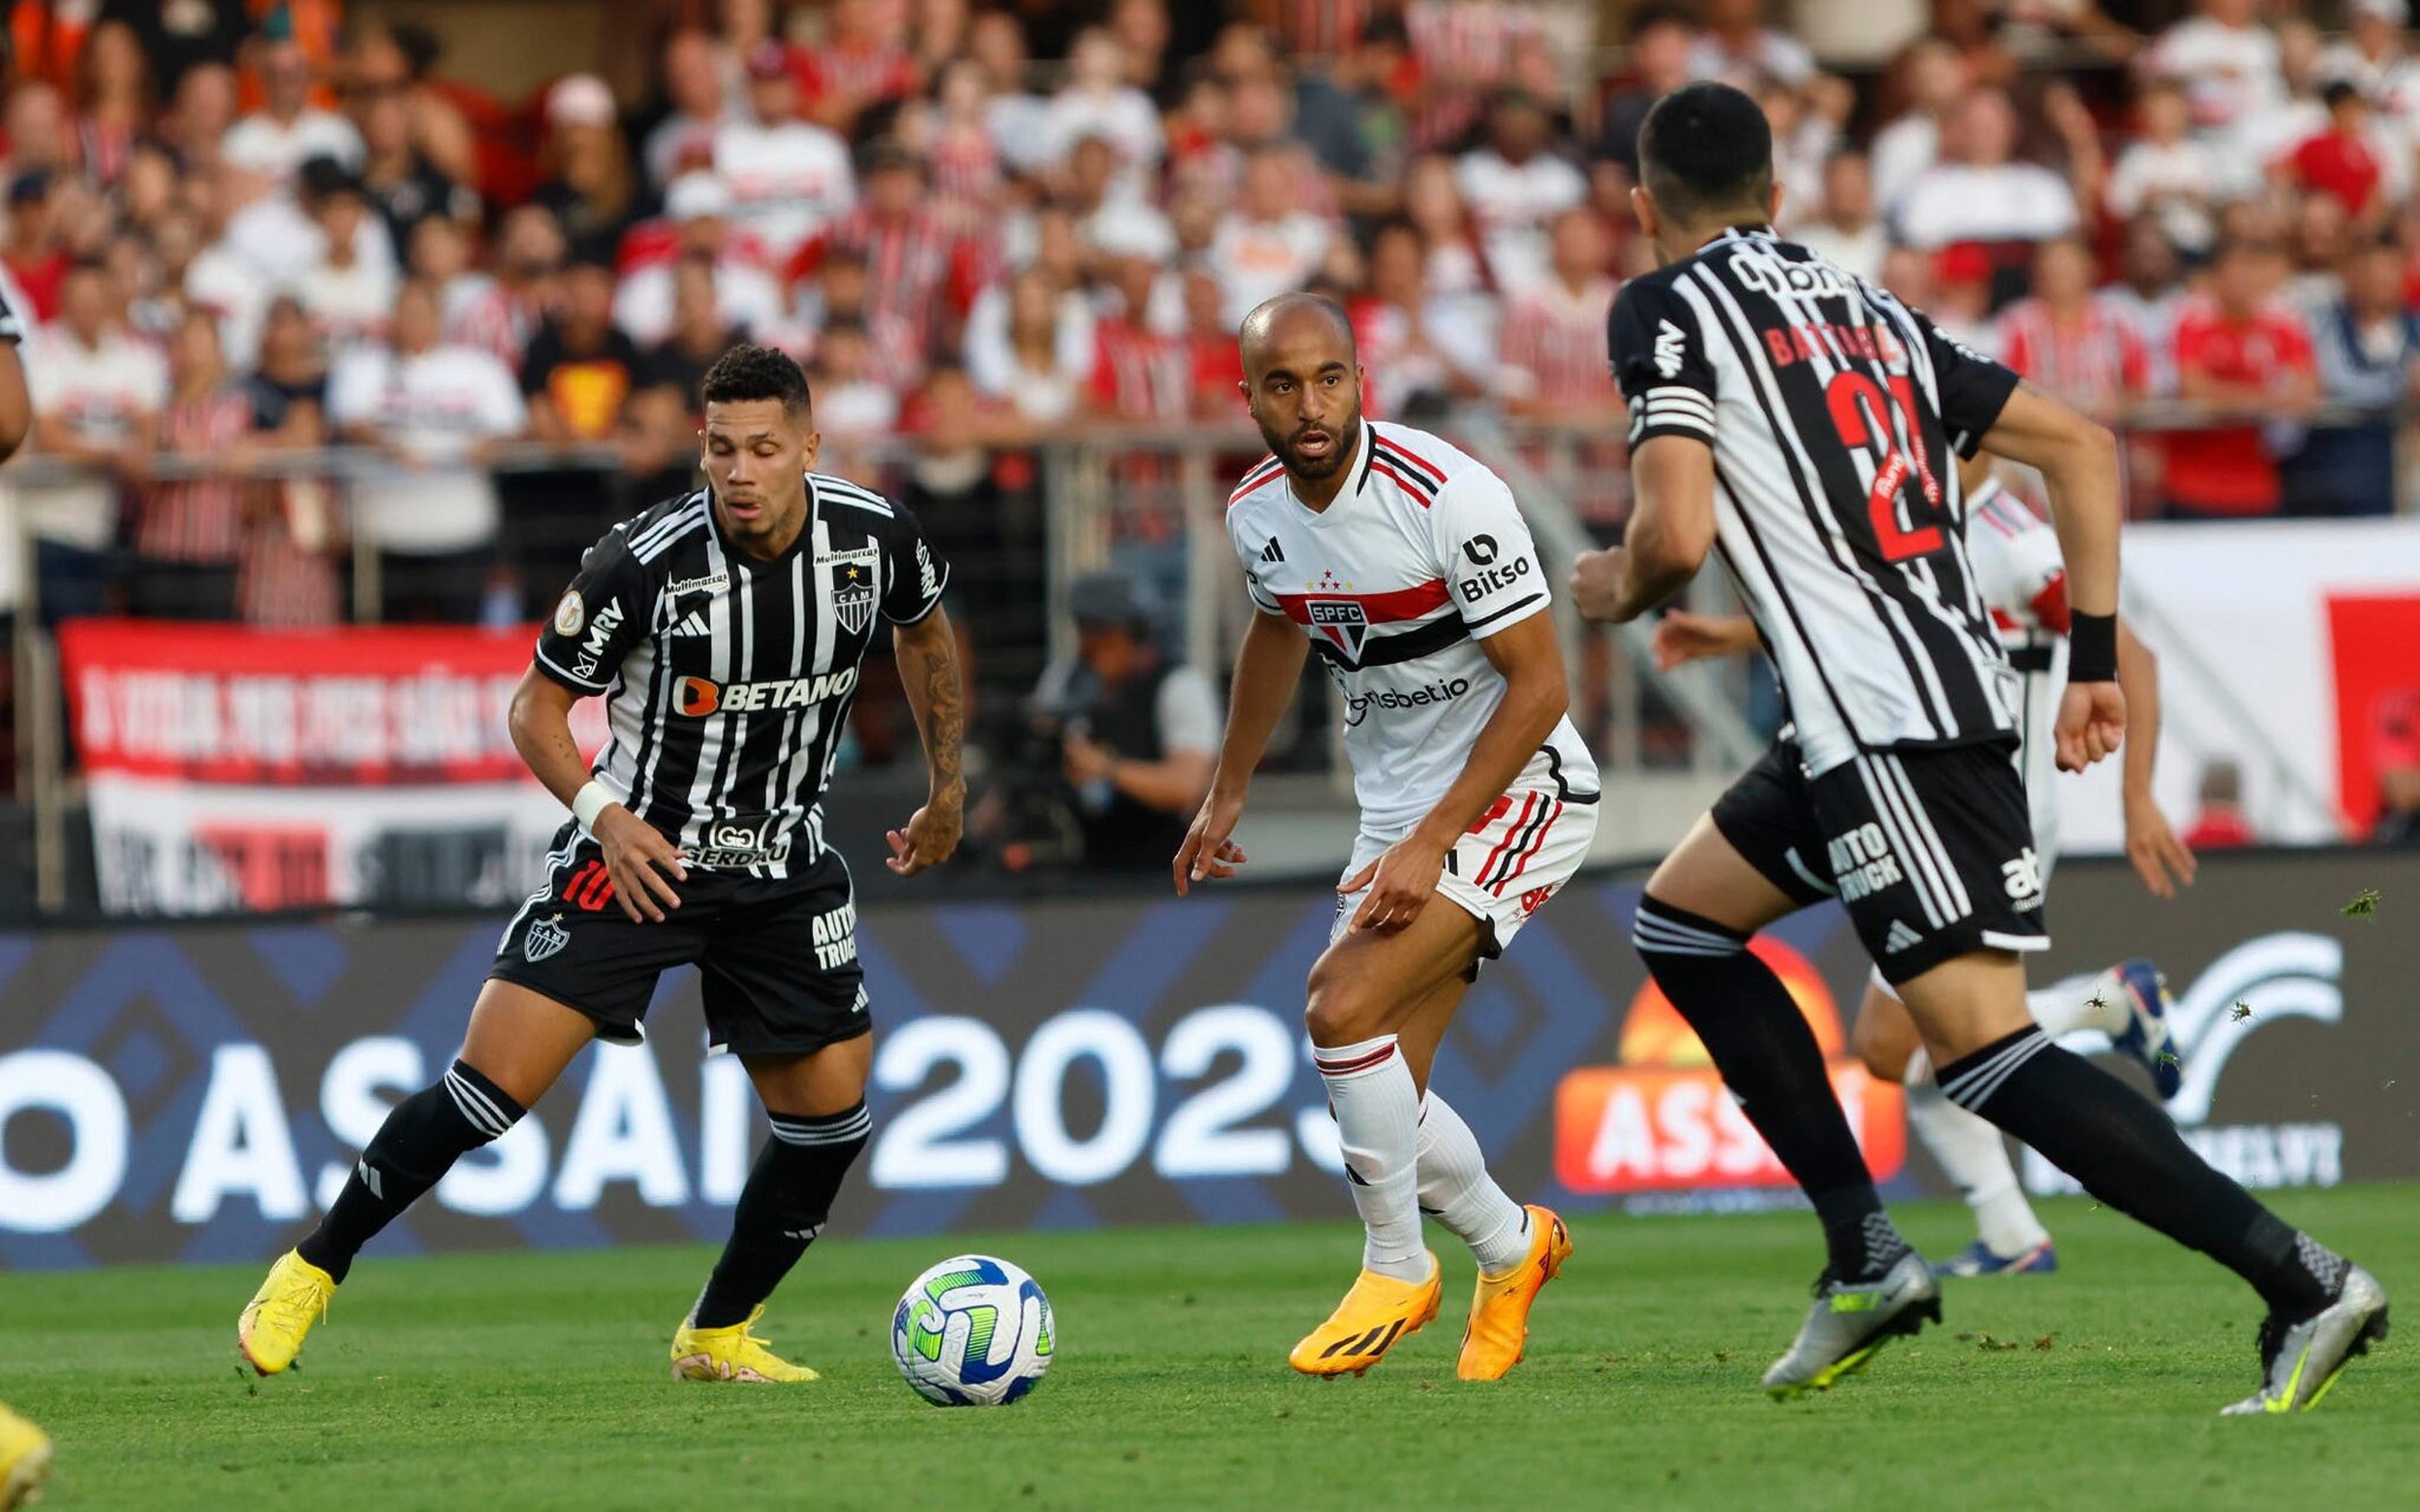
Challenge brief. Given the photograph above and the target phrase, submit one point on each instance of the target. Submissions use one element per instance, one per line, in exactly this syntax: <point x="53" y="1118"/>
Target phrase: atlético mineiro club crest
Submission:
<point x="853" y="598"/>
<point x="545" y="936"/>
<point x="1343" y="621"/>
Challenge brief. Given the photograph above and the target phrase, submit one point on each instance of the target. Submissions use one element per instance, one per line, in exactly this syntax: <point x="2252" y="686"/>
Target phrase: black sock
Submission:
<point x="2129" y="1154"/>
<point x="1769" y="1060"/>
<point x="780" y="1210"/>
<point x="418" y="1144"/>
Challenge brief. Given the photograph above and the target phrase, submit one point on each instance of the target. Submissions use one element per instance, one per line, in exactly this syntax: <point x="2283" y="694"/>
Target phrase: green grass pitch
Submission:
<point x="541" y="1381"/>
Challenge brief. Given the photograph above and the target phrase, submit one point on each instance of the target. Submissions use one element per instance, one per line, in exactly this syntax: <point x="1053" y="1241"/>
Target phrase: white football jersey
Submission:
<point x="1420" y="557"/>
<point x="2023" y="581"/>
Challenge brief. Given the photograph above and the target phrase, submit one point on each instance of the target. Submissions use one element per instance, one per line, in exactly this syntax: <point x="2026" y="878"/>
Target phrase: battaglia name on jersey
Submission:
<point x="1357" y="707"/>
<point x="700" y="697"/>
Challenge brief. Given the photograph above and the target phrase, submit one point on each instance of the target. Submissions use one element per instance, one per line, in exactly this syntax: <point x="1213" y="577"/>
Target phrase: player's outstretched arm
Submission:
<point x="638" y="858"/>
<point x="1671" y="529"/>
<point x="2077" y="457"/>
<point x="927" y="652"/>
<point x="2151" y="842"/>
<point x="1268" y="669"/>
<point x="1685" y="635"/>
<point x="1536" y="694"/>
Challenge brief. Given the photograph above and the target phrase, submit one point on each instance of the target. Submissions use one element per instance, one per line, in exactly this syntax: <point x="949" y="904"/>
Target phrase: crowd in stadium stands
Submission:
<point x="240" y="227"/>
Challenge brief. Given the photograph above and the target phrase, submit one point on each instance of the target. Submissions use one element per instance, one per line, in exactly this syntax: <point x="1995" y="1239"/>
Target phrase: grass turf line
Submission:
<point x="531" y="1381"/>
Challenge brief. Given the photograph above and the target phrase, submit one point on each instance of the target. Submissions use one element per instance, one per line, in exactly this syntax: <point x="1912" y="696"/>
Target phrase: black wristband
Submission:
<point x="2091" y="647"/>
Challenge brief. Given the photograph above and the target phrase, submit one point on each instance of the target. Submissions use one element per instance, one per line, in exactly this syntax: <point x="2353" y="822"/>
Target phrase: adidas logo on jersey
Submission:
<point x="693" y="624"/>
<point x="1901" y="938"/>
<point x="1272" y="552"/>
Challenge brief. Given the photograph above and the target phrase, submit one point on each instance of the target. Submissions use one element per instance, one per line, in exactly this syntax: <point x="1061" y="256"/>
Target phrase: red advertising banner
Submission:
<point x="2375" y="640"/>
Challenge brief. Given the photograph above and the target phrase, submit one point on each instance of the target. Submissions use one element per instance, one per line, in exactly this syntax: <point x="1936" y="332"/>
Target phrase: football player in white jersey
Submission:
<point x="1406" y="567"/>
<point x="2023" y="582"/>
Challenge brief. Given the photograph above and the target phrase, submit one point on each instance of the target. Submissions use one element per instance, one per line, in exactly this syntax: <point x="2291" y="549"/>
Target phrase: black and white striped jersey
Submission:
<point x="1832" y="410"/>
<point x="728" y="679"/>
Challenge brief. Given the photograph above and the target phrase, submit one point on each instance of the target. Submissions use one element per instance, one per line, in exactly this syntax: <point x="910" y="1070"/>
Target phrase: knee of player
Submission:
<point x="1341" y="1010"/>
<point x="1663" y="936"/>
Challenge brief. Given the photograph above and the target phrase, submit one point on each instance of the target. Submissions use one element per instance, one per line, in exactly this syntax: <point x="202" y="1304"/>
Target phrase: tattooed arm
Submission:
<point x="928" y="670"/>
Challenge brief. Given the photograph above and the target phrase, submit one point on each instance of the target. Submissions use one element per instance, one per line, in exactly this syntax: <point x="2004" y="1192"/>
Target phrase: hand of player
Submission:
<point x="931" y="836"/>
<point x="1207" y="855"/>
<point x="1400" y="881"/>
<point x="1597" y="584"/>
<point x="642" y="864"/>
<point x="2091" y="724"/>
<point x="1684" y="636"/>
<point x="2154" y="849"/>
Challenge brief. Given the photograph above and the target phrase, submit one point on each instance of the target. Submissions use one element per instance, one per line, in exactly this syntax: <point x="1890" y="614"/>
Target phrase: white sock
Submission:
<point x="1378" y="1123"/>
<point x="2059" y="1011"/>
<point x="1457" y="1192"/>
<point x="1974" y="1154"/>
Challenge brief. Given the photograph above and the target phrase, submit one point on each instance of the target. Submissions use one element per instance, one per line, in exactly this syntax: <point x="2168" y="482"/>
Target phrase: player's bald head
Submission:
<point x="1292" y="323"/>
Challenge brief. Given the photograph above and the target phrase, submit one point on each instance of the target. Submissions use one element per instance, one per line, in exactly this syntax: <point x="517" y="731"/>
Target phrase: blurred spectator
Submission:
<point x="1739" y="49"/>
<point x="293" y="541"/>
<point x="2219" y="822"/>
<point x="1348" y="115"/>
<point x="939" y="32"/>
<point x="862" y="62"/>
<point x="1142" y="30"/>
<point x="2243" y="357"/>
<point x="180" y="37"/>
<point x="1959" y="277"/>
<point x="698" y="205"/>
<point x="1433" y="203"/>
<point x="1109" y="220"/>
<point x="684" y="139"/>
<point x="591" y="189"/>
<point x="671" y="373"/>
<point x="97" y="395"/>
<point x="36" y="261"/>
<point x="1018" y="119"/>
<point x="436" y="413"/>
<point x="2342" y="160"/>
<point x="348" y="290"/>
<point x="581" y="370"/>
<point x="1934" y="78"/>
<point x="114" y="99"/>
<point x="2372" y="57"/>
<point x="850" y="404"/>
<point x="1554" y="364"/>
<point x="1139" y="372"/>
<point x="201" y="112"/>
<point x="788" y="179"/>
<point x="1850" y="233"/>
<point x="401" y="180"/>
<point x="1661" y="38"/>
<point x="2320" y="240"/>
<point x="455" y="128"/>
<point x="2226" y="61"/>
<point x="1218" y="362"/>
<point x="965" y="157"/>
<point x="1096" y="102"/>
<point x="2269" y="132"/>
<point x="1802" y="141"/>
<point x="2368" y="351"/>
<point x="38" y="134"/>
<point x="2169" y="174"/>
<point x="2067" y="342"/>
<point x="2147" y="299"/>
<point x="2397" y="754"/>
<point x="1467" y="50"/>
<point x="498" y="312"/>
<point x="1030" y="345"/>
<point x="844" y="290"/>
<point x="288" y="130"/>
<point x="920" y="271"/>
<point x="1265" y="245"/>
<point x="1977" y="191"/>
<point x="1138" y="736"/>
<point x="1419" y="348"/>
<point x="188" y="533"/>
<point x="1514" y="186"/>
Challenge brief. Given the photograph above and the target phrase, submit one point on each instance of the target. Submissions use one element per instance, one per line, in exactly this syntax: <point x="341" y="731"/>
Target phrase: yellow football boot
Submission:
<point x="25" y="1459"/>
<point x="1499" y="1309"/>
<point x="274" y="1326"/>
<point x="731" y="1354"/>
<point x="1376" y="1315"/>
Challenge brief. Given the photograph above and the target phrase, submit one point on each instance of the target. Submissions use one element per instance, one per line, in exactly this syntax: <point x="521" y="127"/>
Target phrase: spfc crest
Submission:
<point x="545" y="938"/>
<point x="853" y="597"/>
<point x="1341" y="621"/>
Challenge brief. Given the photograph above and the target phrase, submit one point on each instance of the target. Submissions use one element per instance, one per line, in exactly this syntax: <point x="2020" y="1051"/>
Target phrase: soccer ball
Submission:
<point x="973" y="1332"/>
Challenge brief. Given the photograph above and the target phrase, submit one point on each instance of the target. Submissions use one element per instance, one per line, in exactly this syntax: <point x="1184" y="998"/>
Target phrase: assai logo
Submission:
<point x="1343" y="621"/>
<point x="699" y="697"/>
<point x="2262" y="982"/>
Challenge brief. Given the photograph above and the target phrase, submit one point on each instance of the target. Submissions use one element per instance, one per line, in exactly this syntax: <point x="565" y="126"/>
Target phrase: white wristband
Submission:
<point x="589" y="802"/>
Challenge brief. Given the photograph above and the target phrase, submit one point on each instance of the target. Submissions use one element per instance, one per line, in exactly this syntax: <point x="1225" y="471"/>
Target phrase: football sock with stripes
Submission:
<point x="412" y="1150"/>
<point x="2127" y="1154"/>
<point x="1759" y="1040"/>
<point x="1378" y="1111"/>
<point x="1457" y="1192"/>
<point x="1974" y="1154"/>
<point x="782" y="1208"/>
